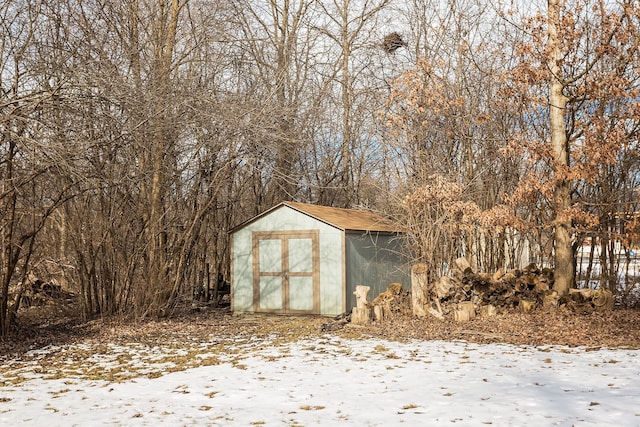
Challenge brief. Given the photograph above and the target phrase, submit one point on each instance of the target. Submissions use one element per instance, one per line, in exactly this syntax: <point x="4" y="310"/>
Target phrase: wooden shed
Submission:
<point x="308" y="259"/>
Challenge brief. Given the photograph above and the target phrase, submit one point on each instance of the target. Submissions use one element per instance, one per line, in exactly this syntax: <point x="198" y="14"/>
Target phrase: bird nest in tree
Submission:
<point x="392" y="42"/>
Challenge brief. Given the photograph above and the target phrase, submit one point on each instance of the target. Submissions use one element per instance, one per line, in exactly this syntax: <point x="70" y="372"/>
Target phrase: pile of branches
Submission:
<point x="38" y="293"/>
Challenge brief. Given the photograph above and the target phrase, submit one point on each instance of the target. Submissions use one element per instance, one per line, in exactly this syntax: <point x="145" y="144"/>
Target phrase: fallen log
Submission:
<point x="588" y="300"/>
<point x="603" y="300"/>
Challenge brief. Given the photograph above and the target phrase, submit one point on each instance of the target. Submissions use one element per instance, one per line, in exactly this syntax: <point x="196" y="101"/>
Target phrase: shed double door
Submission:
<point x="286" y="272"/>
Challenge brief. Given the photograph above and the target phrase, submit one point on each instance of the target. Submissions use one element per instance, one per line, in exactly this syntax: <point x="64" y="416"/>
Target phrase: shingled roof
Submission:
<point x="344" y="219"/>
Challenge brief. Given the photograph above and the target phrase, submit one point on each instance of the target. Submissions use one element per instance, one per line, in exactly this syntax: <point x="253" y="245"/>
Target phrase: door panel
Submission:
<point x="301" y="293"/>
<point x="300" y="255"/>
<point x="286" y="270"/>
<point x="270" y="255"/>
<point x="271" y="293"/>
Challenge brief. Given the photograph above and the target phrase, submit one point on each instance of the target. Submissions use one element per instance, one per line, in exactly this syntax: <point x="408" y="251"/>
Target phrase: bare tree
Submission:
<point x="564" y="267"/>
<point x="34" y="156"/>
<point x="276" y="37"/>
<point x="447" y="126"/>
<point x="576" y="77"/>
<point x="155" y="158"/>
<point x="352" y="27"/>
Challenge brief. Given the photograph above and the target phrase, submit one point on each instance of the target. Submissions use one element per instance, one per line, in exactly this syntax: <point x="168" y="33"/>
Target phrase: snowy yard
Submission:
<point x="321" y="381"/>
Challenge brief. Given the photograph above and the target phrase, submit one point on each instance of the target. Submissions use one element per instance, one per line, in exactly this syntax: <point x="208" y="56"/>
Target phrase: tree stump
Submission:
<point x="361" y="316"/>
<point x="526" y="306"/>
<point x="487" y="310"/>
<point x="361" y="296"/>
<point x="361" y="313"/>
<point x="465" y="311"/>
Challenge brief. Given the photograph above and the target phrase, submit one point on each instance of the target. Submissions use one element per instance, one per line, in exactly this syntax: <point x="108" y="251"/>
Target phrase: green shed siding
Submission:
<point x="375" y="260"/>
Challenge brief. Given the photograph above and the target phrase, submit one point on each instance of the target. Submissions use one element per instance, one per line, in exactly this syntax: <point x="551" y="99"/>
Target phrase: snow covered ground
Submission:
<point x="321" y="382"/>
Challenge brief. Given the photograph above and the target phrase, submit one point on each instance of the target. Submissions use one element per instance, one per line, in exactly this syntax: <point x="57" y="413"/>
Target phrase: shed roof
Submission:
<point x="344" y="219"/>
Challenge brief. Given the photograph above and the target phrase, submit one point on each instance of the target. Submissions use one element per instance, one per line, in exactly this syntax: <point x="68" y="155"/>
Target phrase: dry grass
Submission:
<point x="151" y="348"/>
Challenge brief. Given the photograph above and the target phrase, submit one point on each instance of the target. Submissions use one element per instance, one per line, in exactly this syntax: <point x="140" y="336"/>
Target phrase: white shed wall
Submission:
<point x="288" y="219"/>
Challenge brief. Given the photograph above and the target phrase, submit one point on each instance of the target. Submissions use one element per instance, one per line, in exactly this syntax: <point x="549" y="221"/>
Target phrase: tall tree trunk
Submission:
<point x="564" y="267"/>
<point x="7" y="255"/>
<point x="345" y="184"/>
<point x="285" y="187"/>
<point x="592" y="251"/>
<point x="159" y="284"/>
